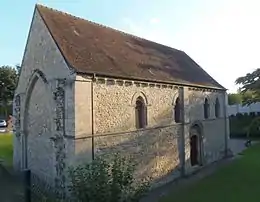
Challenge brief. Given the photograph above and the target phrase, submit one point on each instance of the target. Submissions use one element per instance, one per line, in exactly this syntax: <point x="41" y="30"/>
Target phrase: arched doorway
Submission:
<point x="196" y="145"/>
<point x="194" y="150"/>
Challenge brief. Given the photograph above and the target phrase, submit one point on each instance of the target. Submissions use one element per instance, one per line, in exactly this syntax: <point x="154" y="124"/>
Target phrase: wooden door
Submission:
<point x="194" y="150"/>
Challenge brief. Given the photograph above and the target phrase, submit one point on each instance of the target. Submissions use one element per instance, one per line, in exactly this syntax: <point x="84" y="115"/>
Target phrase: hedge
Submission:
<point x="6" y="111"/>
<point x="239" y="125"/>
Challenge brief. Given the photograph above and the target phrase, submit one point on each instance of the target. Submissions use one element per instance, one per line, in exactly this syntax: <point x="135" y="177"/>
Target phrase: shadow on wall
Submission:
<point x="156" y="153"/>
<point x="155" y="150"/>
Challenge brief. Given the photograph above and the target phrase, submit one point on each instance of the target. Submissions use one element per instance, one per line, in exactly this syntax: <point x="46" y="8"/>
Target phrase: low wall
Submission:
<point x="234" y="109"/>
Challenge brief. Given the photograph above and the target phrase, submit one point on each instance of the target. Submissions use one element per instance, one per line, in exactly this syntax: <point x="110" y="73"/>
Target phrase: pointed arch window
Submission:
<point x="140" y="113"/>
<point x="206" y="108"/>
<point x="217" y="108"/>
<point x="177" y="110"/>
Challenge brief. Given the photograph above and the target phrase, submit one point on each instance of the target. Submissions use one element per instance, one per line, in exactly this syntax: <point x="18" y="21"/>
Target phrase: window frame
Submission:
<point x="206" y="108"/>
<point x="140" y="113"/>
<point x="177" y="111"/>
<point x="217" y="108"/>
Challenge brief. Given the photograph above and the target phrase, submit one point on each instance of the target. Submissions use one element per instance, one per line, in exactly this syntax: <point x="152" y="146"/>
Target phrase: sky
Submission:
<point x="222" y="36"/>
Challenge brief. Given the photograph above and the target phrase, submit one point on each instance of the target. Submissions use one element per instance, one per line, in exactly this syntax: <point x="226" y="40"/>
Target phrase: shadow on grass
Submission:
<point x="236" y="181"/>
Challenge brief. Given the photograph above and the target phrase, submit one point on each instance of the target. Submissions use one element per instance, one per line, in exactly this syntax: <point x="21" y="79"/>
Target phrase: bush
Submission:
<point x="239" y="115"/>
<point x="101" y="181"/>
<point x="252" y="114"/>
<point x="5" y="111"/>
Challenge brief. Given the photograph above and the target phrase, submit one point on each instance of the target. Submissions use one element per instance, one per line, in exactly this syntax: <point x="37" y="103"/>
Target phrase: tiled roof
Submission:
<point x="92" y="48"/>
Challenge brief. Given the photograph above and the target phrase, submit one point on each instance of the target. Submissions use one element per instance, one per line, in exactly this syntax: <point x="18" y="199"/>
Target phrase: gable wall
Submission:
<point x="37" y="107"/>
<point x="41" y="53"/>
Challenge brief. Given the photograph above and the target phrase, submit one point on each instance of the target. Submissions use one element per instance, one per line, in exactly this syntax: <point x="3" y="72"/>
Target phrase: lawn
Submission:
<point x="236" y="182"/>
<point x="6" y="148"/>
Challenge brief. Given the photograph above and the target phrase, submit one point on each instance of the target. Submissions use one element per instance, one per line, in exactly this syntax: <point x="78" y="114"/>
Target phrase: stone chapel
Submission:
<point x="87" y="90"/>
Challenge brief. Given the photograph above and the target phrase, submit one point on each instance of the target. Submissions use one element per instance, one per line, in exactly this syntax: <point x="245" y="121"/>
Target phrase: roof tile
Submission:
<point x="92" y="48"/>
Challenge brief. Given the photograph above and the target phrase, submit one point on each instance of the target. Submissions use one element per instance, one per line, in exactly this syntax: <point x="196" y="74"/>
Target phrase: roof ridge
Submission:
<point x="105" y="26"/>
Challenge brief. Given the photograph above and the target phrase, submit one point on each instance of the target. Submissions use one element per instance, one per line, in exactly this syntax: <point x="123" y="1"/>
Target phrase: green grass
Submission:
<point x="6" y="148"/>
<point x="236" y="182"/>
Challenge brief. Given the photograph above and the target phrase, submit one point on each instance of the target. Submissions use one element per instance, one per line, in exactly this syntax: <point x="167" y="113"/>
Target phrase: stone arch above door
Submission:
<point x="197" y="125"/>
<point x="196" y="143"/>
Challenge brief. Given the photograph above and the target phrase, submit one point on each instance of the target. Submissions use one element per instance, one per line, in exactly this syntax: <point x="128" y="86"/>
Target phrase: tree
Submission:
<point x="247" y="96"/>
<point x="18" y="68"/>
<point x="250" y="86"/>
<point x="234" y="98"/>
<point x="8" y="82"/>
<point x="251" y="94"/>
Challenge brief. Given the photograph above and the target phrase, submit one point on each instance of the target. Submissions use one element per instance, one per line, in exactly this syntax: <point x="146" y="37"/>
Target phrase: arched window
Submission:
<point x="217" y="108"/>
<point x="140" y="113"/>
<point x="206" y="108"/>
<point x="177" y="111"/>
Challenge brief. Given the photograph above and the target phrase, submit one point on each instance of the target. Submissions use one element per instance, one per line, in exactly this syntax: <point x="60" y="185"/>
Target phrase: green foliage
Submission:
<point x="6" y="148"/>
<point x="234" y="98"/>
<point x="250" y="87"/>
<point x="8" y="82"/>
<point x="101" y="181"/>
<point x="247" y="97"/>
<point x="254" y="127"/>
<point x="18" y="68"/>
<point x="244" y="125"/>
<point x="5" y="110"/>
<point x="242" y="97"/>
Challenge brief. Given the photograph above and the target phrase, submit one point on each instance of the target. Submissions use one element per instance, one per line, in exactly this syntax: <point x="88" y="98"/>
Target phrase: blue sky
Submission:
<point x="222" y="35"/>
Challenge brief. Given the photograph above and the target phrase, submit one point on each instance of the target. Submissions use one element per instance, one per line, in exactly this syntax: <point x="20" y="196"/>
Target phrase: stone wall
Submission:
<point x="39" y="117"/>
<point x="214" y="139"/>
<point x="41" y="53"/>
<point x="114" y="105"/>
<point x="83" y="108"/>
<point x="196" y="100"/>
<point x="114" y="125"/>
<point x="40" y="151"/>
<point x="155" y="150"/>
<point x="213" y="128"/>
